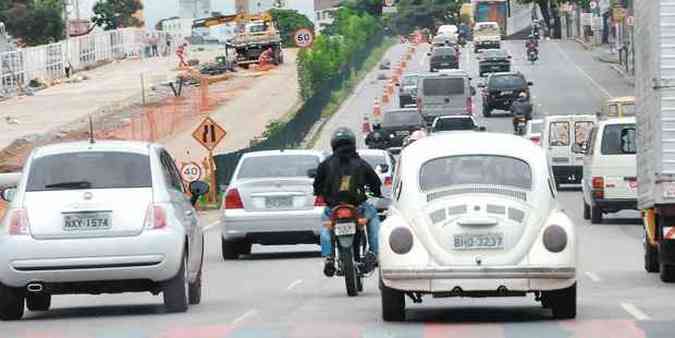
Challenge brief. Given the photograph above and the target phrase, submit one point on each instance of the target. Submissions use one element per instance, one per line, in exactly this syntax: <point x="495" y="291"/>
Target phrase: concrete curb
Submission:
<point x="583" y="43"/>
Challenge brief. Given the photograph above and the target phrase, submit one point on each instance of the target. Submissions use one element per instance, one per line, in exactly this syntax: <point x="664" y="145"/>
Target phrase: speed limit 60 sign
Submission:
<point x="303" y="37"/>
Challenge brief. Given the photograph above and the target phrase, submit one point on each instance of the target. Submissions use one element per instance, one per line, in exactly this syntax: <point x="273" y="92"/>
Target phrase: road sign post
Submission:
<point x="209" y="134"/>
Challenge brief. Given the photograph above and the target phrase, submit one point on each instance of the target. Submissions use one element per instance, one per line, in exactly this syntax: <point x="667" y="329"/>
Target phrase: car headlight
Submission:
<point x="392" y="135"/>
<point x="401" y="241"/>
<point x="555" y="238"/>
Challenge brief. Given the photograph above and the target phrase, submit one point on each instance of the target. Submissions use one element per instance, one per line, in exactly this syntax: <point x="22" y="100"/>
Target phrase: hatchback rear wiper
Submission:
<point x="70" y="185"/>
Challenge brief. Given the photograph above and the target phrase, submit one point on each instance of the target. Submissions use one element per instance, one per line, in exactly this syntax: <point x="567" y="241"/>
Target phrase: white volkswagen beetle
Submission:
<point x="476" y="215"/>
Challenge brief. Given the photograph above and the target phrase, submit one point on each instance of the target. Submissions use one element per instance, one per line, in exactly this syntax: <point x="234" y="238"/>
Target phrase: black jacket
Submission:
<point x="345" y="165"/>
<point x="522" y="108"/>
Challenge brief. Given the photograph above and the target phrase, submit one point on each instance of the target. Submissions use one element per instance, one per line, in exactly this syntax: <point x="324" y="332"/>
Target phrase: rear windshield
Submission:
<point x="581" y="131"/>
<point x="374" y="160"/>
<point x="507" y="81"/>
<point x="401" y="118"/>
<point x="410" y="80"/>
<point x="277" y="166"/>
<point x="494" y="53"/>
<point x="443" y="86"/>
<point x="476" y="170"/>
<point x="559" y="134"/>
<point x="445" y="51"/>
<point x="90" y="170"/>
<point x="619" y="139"/>
<point x="454" y="124"/>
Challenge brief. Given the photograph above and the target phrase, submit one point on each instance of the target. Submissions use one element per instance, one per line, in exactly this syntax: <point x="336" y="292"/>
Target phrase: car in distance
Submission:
<point x="384" y="165"/>
<point x="396" y="125"/>
<point x="270" y="201"/>
<point x="454" y="123"/>
<point x="443" y="58"/>
<point x="501" y="89"/>
<point x="476" y="215"/>
<point x="447" y="92"/>
<point x="407" y="89"/>
<point x="494" y="61"/>
<point x="104" y="217"/>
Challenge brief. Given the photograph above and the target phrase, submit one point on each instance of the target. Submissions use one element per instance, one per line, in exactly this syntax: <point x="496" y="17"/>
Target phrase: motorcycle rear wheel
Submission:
<point x="350" y="274"/>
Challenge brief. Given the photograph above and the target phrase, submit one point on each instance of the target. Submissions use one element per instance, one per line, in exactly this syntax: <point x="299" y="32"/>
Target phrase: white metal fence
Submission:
<point x="48" y="62"/>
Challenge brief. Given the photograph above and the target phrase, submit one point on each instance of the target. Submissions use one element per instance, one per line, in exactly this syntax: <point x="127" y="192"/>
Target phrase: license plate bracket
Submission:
<point x="87" y="221"/>
<point x="345" y="229"/>
<point x="469" y="241"/>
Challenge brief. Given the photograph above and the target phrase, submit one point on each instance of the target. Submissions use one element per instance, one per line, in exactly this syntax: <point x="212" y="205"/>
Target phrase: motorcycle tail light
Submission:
<point x="344" y="213"/>
<point x="319" y="201"/>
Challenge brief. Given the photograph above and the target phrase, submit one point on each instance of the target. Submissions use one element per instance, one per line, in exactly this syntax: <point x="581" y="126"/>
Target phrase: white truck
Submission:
<point x="486" y="35"/>
<point x="655" y="89"/>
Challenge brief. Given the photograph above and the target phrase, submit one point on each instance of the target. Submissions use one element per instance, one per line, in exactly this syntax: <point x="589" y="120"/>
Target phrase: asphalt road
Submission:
<point x="281" y="292"/>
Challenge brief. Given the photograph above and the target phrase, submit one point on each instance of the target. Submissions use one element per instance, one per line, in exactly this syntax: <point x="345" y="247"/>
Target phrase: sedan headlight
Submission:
<point x="401" y="241"/>
<point x="555" y="238"/>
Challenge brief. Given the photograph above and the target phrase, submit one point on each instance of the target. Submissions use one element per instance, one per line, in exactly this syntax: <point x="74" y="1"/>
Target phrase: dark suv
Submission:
<point x="501" y="89"/>
<point x="443" y="58"/>
<point x="493" y="61"/>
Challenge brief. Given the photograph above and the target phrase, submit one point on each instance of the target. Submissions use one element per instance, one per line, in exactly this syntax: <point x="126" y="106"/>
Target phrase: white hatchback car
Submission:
<point x="105" y="217"/>
<point x="476" y="215"/>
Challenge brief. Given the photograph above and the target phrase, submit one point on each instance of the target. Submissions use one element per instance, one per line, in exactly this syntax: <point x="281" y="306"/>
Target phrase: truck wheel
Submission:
<point x="596" y="214"/>
<point x="11" y="303"/>
<point x="176" y="290"/>
<point x="38" y="301"/>
<point x="393" y="304"/>
<point x="229" y="248"/>
<point x="651" y="256"/>
<point x="564" y="302"/>
<point x="587" y="210"/>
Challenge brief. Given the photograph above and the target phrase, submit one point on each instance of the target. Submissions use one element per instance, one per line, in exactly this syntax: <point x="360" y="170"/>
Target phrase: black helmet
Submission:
<point x="343" y="136"/>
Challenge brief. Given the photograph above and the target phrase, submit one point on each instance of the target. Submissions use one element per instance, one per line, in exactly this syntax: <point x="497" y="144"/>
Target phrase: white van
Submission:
<point x="610" y="168"/>
<point x="563" y="137"/>
<point x="448" y="92"/>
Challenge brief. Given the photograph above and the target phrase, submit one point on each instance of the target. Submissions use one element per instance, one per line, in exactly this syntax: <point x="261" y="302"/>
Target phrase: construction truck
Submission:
<point x="492" y="11"/>
<point x="254" y="35"/>
<point x="655" y="89"/>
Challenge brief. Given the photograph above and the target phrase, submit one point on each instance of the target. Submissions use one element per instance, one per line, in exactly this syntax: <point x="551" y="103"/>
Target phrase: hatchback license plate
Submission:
<point x="279" y="202"/>
<point x="507" y="93"/>
<point x="479" y="241"/>
<point x="344" y="229"/>
<point x="87" y="221"/>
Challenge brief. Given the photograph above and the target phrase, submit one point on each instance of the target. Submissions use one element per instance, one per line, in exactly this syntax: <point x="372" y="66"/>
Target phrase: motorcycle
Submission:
<point x="532" y="55"/>
<point x="348" y="232"/>
<point x="521" y="123"/>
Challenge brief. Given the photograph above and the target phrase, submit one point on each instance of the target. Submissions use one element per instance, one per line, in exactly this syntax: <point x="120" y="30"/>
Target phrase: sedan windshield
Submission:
<point x="269" y="166"/>
<point x="475" y="170"/>
<point x="448" y="124"/>
<point x="89" y="170"/>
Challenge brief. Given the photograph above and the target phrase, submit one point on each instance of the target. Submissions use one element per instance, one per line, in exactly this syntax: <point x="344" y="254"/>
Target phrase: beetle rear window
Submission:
<point x="475" y="170"/>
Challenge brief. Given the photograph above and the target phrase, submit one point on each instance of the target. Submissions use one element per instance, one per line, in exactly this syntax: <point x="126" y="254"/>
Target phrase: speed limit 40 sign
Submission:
<point x="191" y="172"/>
<point x="303" y="37"/>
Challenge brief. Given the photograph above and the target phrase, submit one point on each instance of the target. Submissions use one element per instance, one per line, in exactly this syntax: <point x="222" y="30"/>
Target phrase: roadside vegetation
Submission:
<point x="287" y="21"/>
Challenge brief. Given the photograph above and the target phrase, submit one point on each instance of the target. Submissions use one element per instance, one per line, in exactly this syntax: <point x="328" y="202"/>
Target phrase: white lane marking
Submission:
<point x="593" y="277"/>
<point x="249" y="313"/>
<point x="583" y="72"/>
<point x="294" y="284"/>
<point x="634" y="311"/>
<point x="210" y="226"/>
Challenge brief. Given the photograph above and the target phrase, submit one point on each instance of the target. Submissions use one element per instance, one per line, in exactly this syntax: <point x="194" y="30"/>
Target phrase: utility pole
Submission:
<point x="66" y="20"/>
<point x="77" y="10"/>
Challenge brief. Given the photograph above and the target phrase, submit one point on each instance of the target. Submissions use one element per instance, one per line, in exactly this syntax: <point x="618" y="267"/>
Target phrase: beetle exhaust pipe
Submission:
<point x="34" y="287"/>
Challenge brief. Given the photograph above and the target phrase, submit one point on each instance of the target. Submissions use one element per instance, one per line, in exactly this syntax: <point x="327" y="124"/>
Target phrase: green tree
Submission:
<point x="113" y="14"/>
<point x="414" y="14"/>
<point x="288" y="21"/>
<point x="372" y="7"/>
<point x="34" y="22"/>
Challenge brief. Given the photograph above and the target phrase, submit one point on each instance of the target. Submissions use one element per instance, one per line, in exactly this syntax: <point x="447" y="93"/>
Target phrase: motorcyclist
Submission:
<point x="341" y="178"/>
<point x="521" y="107"/>
<point x="531" y="46"/>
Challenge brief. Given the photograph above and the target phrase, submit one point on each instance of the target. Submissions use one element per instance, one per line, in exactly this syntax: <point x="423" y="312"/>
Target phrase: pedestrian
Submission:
<point x="154" y="42"/>
<point x="167" y="52"/>
<point x="181" y="52"/>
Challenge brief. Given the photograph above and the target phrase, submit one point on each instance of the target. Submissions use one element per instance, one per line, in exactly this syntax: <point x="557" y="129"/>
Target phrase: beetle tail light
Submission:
<point x="598" y="187"/>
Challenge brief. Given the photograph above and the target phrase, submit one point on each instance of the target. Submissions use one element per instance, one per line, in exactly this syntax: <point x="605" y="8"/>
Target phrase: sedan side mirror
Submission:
<point x="8" y="194"/>
<point x="509" y="57"/>
<point x="311" y="173"/>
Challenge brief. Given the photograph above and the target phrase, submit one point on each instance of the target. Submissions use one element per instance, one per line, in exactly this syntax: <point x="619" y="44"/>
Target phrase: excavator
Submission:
<point x="255" y="35"/>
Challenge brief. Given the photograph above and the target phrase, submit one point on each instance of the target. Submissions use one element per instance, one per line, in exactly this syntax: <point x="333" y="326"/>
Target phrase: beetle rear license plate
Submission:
<point x="87" y="221"/>
<point x="344" y="229"/>
<point x="493" y="240"/>
<point x="279" y="202"/>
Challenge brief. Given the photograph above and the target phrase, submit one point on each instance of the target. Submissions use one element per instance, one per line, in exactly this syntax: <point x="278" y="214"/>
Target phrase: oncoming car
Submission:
<point x="104" y="217"/>
<point x="476" y="215"/>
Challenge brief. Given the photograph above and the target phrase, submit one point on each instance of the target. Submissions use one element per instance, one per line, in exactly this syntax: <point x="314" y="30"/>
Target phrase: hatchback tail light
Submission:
<point x="598" y="187"/>
<point x="319" y="201"/>
<point x="233" y="200"/>
<point x="18" y="224"/>
<point x="155" y="217"/>
<point x="343" y="213"/>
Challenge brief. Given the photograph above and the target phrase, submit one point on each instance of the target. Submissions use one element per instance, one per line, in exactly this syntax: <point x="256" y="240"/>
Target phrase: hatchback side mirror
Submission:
<point x="8" y="194"/>
<point x="311" y="173"/>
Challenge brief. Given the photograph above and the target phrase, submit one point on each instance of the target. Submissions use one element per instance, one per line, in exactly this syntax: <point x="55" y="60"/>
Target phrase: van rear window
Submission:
<point x="619" y="139"/>
<point x="443" y="86"/>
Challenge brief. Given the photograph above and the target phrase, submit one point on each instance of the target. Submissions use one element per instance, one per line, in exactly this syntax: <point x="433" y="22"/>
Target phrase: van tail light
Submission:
<point x="599" y="187"/>
<point x="469" y="105"/>
<point x="233" y="200"/>
<point x="319" y="201"/>
<point x="18" y="222"/>
<point x="155" y="217"/>
<point x="342" y="213"/>
<point x="388" y="181"/>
